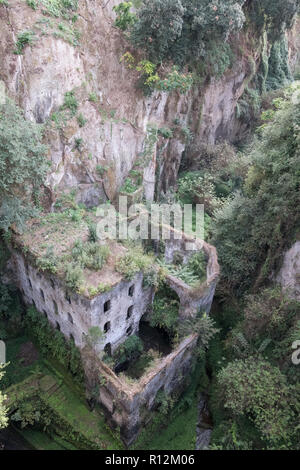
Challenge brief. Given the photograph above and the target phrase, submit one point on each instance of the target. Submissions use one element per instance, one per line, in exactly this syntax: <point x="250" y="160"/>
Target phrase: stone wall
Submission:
<point x="117" y="312"/>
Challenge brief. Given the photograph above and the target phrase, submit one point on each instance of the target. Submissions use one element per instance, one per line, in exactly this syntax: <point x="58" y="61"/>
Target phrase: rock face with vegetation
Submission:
<point x="171" y="101"/>
<point x="65" y="64"/>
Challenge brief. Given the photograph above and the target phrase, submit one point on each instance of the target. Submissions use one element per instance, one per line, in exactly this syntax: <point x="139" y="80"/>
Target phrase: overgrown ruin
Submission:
<point x="116" y="312"/>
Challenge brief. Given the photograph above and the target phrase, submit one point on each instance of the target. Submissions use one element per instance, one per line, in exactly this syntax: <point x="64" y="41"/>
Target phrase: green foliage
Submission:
<point x="70" y="103"/>
<point x="94" y="336"/>
<point x="175" y="81"/>
<point x="78" y="144"/>
<point x="256" y="388"/>
<point x="192" y="273"/>
<point x="60" y="8"/>
<point x="90" y="255"/>
<point x="133" y="262"/>
<point x="279" y="73"/>
<point x="93" y="237"/>
<point x="182" y="30"/>
<point x="23" y="165"/>
<point x="201" y="324"/>
<point x="124" y="17"/>
<point x="274" y="15"/>
<point x="248" y="106"/>
<point x="93" y="97"/>
<point x="130" y="349"/>
<point x="81" y="120"/>
<point x="3" y="409"/>
<point x="129" y="186"/>
<point x="24" y="39"/>
<point x="267" y="204"/>
<point x="48" y="262"/>
<point x="73" y="276"/>
<point x="198" y="188"/>
<point x="52" y="343"/>
<point x="165" y="310"/>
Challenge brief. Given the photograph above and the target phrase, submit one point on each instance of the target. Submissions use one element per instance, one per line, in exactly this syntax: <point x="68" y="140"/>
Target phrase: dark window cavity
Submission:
<point x="55" y="307"/>
<point x="131" y="291"/>
<point x="106" y="306"/>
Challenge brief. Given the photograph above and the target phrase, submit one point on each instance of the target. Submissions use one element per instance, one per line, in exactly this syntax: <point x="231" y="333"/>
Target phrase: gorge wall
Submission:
<point x="116" y="122"/>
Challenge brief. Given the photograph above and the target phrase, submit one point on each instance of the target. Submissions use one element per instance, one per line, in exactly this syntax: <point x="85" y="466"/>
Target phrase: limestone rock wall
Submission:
<point x="117" y="312"/>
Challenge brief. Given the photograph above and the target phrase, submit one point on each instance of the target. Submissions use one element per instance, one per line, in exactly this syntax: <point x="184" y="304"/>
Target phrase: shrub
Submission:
<point x="256" y="388"/>
<point x="52" y="342"/>
<point x="267" y="205"/>
<point x="165" y="310"/>
<point x="81" y="120"/>
<point x="130" y="349"/>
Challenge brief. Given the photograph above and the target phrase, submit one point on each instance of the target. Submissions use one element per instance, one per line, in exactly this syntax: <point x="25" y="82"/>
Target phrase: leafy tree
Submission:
<point x="23" y="165"/>
<point x="258" y="389"/>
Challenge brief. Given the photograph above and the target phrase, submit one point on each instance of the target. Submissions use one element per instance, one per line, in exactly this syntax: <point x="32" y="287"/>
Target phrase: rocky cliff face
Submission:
<point x="115" y="132"/>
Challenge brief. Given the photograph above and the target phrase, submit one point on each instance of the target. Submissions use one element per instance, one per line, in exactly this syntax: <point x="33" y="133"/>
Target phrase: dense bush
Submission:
<point x="23" y="165"/>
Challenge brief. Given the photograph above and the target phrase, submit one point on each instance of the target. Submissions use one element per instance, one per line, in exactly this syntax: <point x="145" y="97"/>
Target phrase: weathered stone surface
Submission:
<point x="289" y="274"/>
